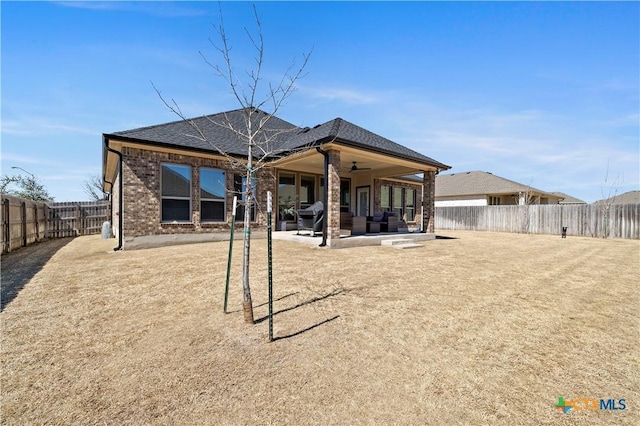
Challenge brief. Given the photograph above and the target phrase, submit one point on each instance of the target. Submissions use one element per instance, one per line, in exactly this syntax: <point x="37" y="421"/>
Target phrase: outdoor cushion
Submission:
<point x="378" y="217"/>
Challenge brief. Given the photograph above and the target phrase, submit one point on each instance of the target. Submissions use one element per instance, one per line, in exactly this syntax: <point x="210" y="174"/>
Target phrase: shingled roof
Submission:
<point x="631" y="197"/>
<point x="479" y="183"/>
<point x="568" y="199"/>
<point x="286" y="136"/>
<point x="182" y="134"/>
<point x="344" y="132"/>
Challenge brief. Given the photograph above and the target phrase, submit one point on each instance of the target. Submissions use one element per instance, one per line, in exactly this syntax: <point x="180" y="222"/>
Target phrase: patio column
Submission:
<point x="428" y="202"/>
<point x="333" y="197"/>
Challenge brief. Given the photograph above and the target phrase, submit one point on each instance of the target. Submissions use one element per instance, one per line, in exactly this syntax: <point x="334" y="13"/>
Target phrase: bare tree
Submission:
<point x="257" y="132"/>
<point x="609" y="196"/>
<point x="92" y="186"/>
<point x="524" y="199"/>
<point x="25" y="187"/>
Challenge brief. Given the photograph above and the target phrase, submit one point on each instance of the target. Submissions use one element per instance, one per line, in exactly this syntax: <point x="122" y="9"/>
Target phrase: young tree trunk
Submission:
<point x="262" y="140"/>
<point x="247" y="305"/>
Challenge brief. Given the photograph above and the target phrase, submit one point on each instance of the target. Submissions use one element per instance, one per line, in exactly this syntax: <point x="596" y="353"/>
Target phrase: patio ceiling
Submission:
<point x="377" y="165"/>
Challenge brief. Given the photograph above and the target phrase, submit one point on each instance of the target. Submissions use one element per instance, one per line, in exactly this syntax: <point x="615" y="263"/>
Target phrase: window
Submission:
<point x="494" y="201"/>
<point x="175" y="193"/>
<point x="212" y="195"/>
<point x="409" y="202"/>
<point x="385" y="198"/>
<point x="345" y="195"/>
<point x="286" y="196"/>
<point x="398" y="201"/>
<point x="239" y="184"/>
<point x="307" y="190"/>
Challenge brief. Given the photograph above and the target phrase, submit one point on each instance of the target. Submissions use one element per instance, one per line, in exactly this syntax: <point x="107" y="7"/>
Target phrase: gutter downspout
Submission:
<point x="325" y="196"/>
<point x="119" y="154"/>
<point x="104" y="178"/>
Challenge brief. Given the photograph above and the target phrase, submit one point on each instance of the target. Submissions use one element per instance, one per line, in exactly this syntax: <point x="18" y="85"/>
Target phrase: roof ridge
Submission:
<point x="335" y="128"/>
<point x="518" y="186"/>
<point x="345" y="126"/>
<point x="188" y="119"/>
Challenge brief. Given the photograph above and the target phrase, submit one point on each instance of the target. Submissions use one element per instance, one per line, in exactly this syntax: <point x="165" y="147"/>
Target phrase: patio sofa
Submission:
<point x="388" y="221"/>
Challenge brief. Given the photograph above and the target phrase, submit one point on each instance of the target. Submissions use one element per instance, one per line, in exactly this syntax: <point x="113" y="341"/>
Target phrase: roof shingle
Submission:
<point x="479" y="183"/>
<point x="212" y="133"/>
<point x="631" y="197"/>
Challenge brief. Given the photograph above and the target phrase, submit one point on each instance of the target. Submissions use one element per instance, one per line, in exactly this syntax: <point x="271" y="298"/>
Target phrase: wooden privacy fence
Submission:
<point x="589" y="220"/>
<point x="70" y="219"/>
<point x="25" y="222"/>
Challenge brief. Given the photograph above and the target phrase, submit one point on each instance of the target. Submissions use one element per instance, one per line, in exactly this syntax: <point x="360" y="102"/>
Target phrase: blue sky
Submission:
<point x="543" y="93"/>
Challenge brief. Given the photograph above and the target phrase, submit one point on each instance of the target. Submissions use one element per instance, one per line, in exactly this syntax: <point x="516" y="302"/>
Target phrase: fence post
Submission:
<point x="76" y="220"/>
<point x="24" y="223"/>
<point x="47" y="221"/>
<point x="7" y="224"/>
<point x="35" y="214"/>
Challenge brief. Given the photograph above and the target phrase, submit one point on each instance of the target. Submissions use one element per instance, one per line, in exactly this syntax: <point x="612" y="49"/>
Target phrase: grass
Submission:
<point x="486" y="328"/>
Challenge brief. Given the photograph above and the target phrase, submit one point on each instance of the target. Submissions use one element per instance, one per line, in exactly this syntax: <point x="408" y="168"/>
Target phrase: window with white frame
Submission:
<point x="410" y="204"/>
<point x="385" y="198"/>
<point x="212" y="195"/>
<point x="175" y="193"/>
<point x="398" y="201"/>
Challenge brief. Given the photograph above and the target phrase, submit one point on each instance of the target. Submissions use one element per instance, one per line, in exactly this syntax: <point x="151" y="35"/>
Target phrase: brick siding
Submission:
<point x="377" y="193"/>
<point x="141" y="172"/>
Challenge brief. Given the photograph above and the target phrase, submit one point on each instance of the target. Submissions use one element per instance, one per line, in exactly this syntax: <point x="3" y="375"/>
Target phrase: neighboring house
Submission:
<point x="631" y="197"/>
<point x="169" y="179"/>
<point x="568" y="199"/>
<point x="480" y="188"/>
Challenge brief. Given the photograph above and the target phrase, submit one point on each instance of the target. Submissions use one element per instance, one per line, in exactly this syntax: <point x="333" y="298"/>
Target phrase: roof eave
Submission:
<point x="340" y="141"/>
<point x="145" y="142"/>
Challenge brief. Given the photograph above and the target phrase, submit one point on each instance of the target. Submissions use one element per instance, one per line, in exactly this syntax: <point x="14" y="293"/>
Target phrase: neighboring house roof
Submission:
<point x="568" y="199"/>
<point x="631" y="197"/>
<point x="480" y="183"/>
<point x="286" y="137"/>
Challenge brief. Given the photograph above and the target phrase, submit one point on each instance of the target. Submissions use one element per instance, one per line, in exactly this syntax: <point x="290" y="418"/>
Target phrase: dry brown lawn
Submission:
<point x="483" y="329"/>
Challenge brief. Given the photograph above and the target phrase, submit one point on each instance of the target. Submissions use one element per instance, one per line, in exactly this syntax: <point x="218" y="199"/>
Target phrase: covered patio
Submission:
<point x="356" y="174"/>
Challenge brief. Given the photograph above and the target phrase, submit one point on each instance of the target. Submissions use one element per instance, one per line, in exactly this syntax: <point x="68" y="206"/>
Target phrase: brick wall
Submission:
<point x="377" y="184"/>
<point x="333" y="196"/>
<point x="428" y="205"/>
<point x="142" y="199"/>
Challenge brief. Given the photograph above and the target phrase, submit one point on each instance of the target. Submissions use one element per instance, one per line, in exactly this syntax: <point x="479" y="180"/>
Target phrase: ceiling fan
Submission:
<point x="355" y="167"/>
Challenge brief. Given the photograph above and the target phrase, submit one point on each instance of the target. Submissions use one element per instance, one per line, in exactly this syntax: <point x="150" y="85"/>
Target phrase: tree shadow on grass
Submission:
<point x="306" y="302"/>
<point x="266" y="303"/>
<point x="297" y="333"/>
<point x="278" y="299"/>
<point x="444" y="237"/>
<point x="18" y="267"/>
